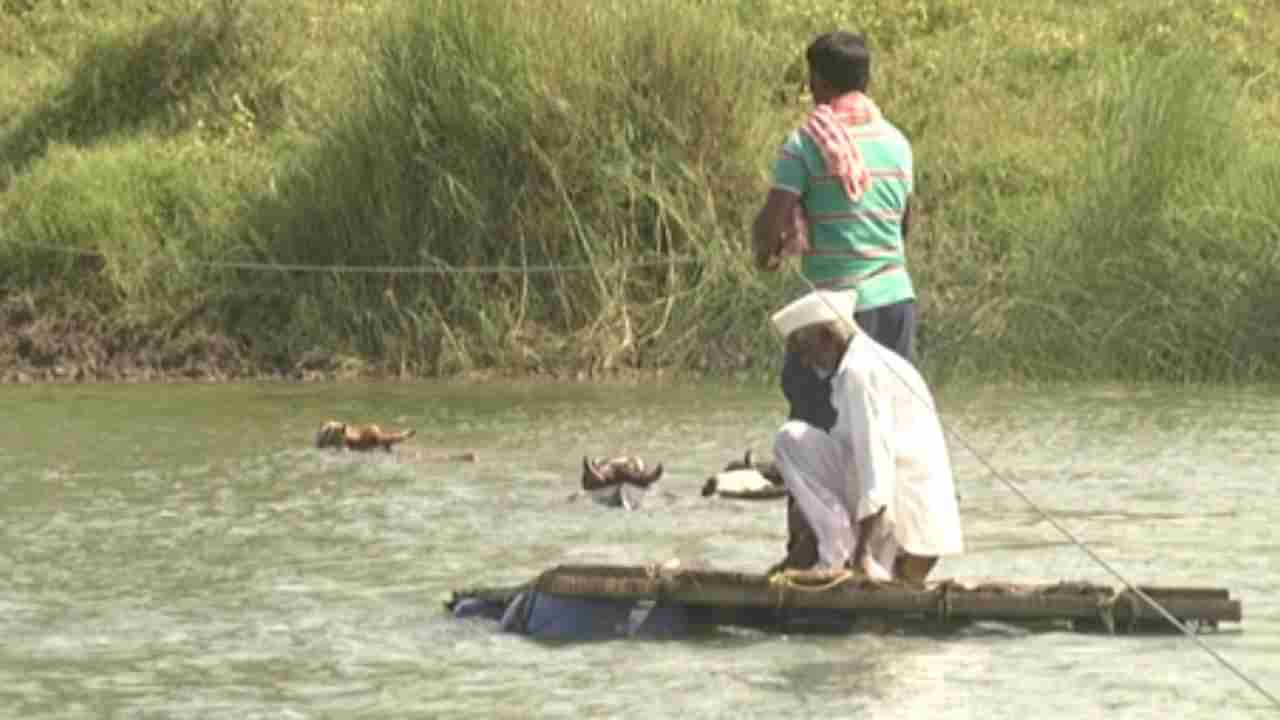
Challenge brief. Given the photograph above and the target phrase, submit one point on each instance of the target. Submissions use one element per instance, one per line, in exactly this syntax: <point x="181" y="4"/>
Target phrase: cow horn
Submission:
<point x="589" y="470"/>
<point x="657" y="473"/>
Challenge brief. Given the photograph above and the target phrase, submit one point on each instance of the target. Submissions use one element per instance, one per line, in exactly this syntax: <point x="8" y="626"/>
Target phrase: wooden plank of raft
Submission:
<point x="989" y="601"/>
<point x="1156" y="592"/>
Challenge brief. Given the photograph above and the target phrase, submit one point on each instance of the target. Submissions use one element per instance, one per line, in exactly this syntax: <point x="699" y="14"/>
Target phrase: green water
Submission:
<point x="182" y="552"/>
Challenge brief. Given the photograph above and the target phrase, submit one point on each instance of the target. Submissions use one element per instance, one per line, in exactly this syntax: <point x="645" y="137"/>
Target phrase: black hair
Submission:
<point x="841" y="59"/>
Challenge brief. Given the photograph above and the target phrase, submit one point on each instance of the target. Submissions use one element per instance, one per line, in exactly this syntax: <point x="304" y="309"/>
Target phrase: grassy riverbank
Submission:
<point x="1098" y="183"/>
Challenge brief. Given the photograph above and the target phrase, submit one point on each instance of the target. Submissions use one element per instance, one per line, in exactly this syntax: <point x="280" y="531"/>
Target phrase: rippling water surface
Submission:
<point x="182" y="552"/>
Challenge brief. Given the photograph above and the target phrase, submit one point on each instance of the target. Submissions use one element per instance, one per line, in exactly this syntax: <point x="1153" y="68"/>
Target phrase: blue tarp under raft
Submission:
<point x="563" y="618"/>
<point x="585" y="602"/>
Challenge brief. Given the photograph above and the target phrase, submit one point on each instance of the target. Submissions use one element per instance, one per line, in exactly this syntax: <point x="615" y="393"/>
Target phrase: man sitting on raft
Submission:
<point x="875" y="493"/>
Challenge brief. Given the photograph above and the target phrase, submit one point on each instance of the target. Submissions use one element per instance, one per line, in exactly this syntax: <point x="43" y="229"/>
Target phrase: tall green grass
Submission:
<point x="1093" y="201"/>
<point x="481" y="138"/>
<point x="1165" y="258"/>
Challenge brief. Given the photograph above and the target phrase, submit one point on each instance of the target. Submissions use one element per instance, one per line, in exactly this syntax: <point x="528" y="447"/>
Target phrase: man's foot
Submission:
<point x="873" y="570"/>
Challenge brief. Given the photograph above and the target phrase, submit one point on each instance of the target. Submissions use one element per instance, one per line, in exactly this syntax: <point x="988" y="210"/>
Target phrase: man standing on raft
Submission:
<point x="875" y="492"/>
<point x="840" y="200"/>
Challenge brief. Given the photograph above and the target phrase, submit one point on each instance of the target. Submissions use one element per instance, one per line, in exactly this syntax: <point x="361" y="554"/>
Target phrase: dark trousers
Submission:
<point x="809" y="396"/>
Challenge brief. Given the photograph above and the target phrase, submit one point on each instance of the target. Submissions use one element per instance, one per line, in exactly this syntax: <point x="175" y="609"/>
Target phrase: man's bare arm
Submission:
<point x="772" y="222"/>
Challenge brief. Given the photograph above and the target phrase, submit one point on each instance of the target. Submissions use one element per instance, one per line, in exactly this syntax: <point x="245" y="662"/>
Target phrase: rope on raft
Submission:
<point x="784" y="581"/>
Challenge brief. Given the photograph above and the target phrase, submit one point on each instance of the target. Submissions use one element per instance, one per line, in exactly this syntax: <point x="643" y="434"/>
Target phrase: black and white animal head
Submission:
<point x="746" y="478"/>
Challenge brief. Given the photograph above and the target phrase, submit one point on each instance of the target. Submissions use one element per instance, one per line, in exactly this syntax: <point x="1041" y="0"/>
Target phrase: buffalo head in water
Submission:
<point x="618" y="482"/>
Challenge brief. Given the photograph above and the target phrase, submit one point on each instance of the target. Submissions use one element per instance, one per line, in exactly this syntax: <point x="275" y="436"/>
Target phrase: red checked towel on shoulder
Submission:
<point x="829" y="126"/>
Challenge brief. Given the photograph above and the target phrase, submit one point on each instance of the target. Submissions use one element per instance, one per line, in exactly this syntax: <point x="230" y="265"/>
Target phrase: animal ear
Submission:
<point x="746" y="459"/>
<point x="771" y="472"/>
<point x="657" y="473"/>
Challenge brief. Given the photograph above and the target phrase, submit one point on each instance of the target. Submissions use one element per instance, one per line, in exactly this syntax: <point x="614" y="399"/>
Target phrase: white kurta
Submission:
<point x="886" y="450"/>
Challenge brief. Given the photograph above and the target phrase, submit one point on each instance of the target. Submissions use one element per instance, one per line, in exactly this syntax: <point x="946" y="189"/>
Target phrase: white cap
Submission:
<point x="818" y="307"/>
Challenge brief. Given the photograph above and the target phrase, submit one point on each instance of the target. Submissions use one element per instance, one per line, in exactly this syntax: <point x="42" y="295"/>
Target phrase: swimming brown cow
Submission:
<point x="358" y="437"/>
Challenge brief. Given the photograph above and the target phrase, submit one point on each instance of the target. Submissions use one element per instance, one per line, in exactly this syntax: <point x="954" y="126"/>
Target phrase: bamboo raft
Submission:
<point x="1082" y="605"/>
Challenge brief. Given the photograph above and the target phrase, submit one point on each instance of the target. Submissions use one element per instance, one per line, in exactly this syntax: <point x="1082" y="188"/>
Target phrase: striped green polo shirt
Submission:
<point x="854" y="245"/>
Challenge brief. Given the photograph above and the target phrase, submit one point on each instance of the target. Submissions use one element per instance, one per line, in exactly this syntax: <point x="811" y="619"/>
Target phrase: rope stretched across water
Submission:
<point x="439" y="269"/>
<point x="1053" y="522"/>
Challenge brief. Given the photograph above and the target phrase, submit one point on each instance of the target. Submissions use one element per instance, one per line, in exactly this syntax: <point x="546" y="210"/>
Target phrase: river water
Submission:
<point x="180" y="551"/>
